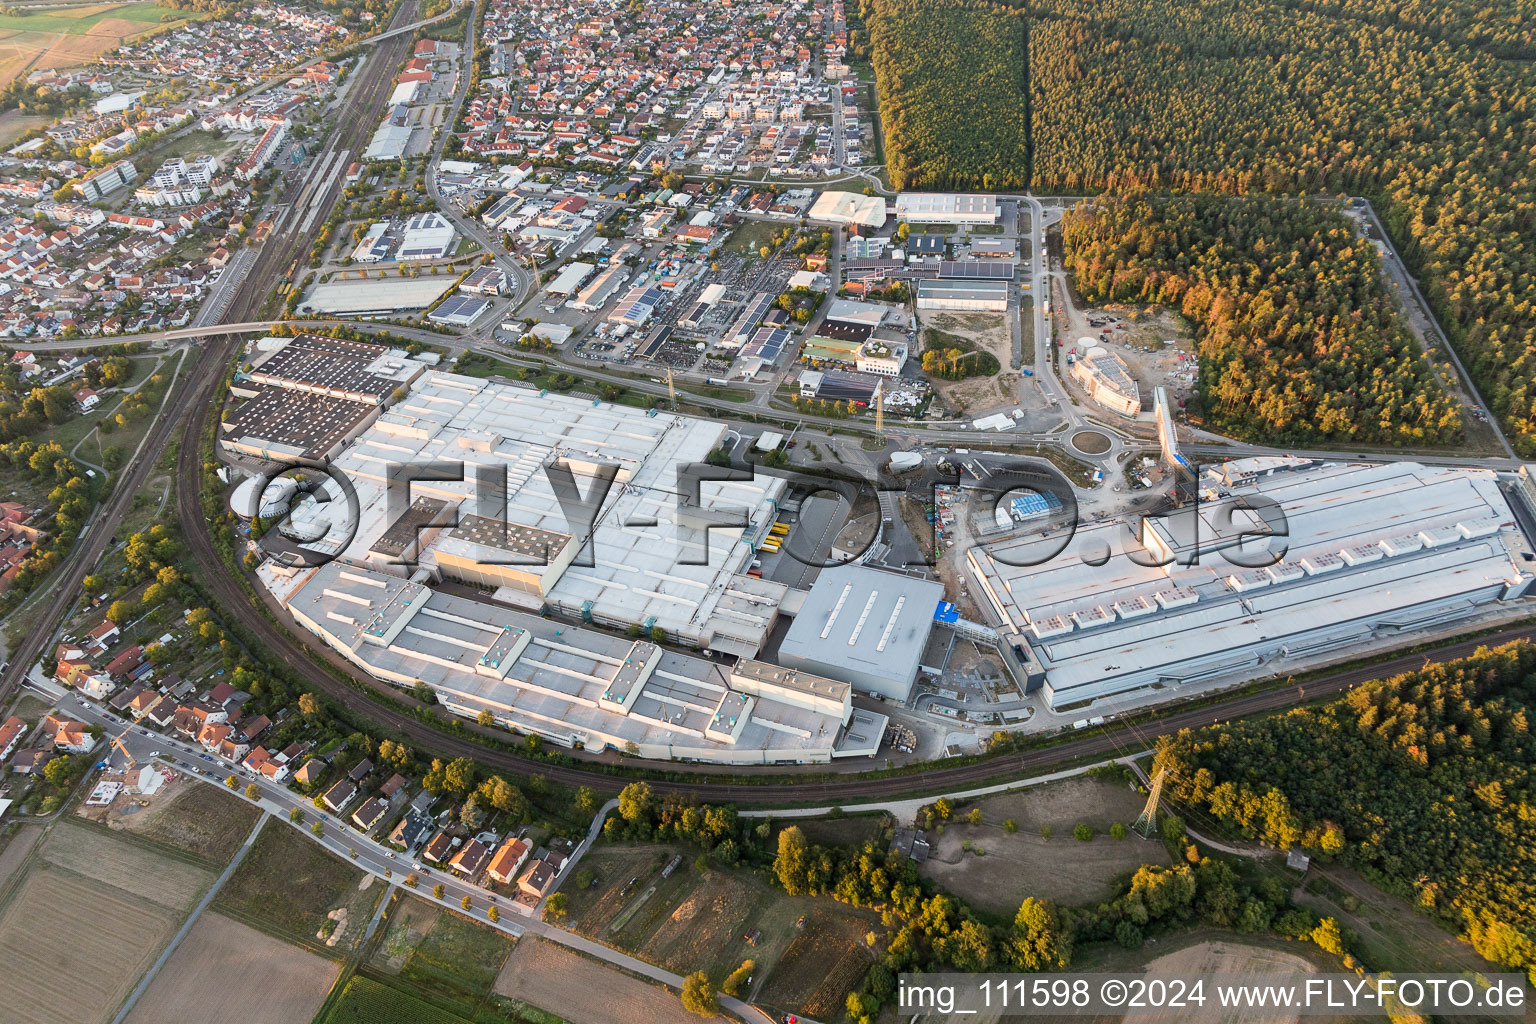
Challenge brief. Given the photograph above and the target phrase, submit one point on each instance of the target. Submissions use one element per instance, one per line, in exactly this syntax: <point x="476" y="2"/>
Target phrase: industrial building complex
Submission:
<point x="657" y="554"/>
<point x="1366" y="552"/>
<point x="865" y="626"/>
<point x="581" y="687"/>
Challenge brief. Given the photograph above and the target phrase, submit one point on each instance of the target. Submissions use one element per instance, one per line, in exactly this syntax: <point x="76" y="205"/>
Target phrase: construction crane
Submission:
<point x="117" y="741"/>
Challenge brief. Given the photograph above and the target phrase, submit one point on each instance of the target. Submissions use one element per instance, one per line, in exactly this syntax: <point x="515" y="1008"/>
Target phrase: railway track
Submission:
<point x="198" y="401"/>
<point x="196" y="393"/>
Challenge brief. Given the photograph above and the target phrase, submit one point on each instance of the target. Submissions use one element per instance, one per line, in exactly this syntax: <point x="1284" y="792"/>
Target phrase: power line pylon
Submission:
<point x="1146" y="822"/>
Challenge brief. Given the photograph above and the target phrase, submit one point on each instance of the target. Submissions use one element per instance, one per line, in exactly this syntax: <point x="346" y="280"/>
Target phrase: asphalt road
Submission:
<point x="339" y="838"/>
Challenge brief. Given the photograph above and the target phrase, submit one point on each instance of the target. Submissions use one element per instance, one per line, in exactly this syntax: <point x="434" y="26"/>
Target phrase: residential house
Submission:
<point x="370" y="814"/>
<point x="103" y="635"/>
<point x="125" y="662"/>
<point x="539" y="879"/>
<point x="69" y="735"/>
<point x="509" y="857"/>
<point x="310" y="772"/>
<point x="437" y="848"/>
<point x="412" y="829"/>
<point x="338" y="795"/>
<point x="471" y="859"/>
<point x="32" y="762"/>
<point x="10" y="736"/>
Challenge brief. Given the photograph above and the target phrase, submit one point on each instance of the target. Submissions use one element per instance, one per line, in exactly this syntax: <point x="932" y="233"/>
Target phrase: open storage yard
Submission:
<point x="270" y="981"/>
<point x="584" y="991"/>
<point x="287" y="886"/>
<point x="88" y="898"/>
<point x="1025" y="863"/>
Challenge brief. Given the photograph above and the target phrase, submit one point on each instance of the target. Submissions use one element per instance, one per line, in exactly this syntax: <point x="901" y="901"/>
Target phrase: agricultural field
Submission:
<point x="582" y="991"/>
<point x="52" y="921"/>
<point x="14" y="853"/>
<point x="69" y="37"/>
<point x="270" y="981"/>
<point x="851" y="830"/>
<point x="140" y="872"/>
<point x="827" y="958"/>
<point x="688" y="922"/>
<point x="200" y="819"/>
<point x="365" y="1001"/>
<point x="14" y="124"/>
<point x="444" y="957"/>
<point x="1025" y="863"/>
<point x="288" y="887"/>
<point x="1222" y="957"/>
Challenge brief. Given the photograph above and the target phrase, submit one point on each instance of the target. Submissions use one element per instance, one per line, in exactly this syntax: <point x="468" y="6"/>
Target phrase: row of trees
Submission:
<point x="1298" y="340"/>
<point x="1423" y="782"/>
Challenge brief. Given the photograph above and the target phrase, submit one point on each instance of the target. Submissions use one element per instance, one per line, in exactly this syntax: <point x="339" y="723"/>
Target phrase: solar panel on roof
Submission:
<point x="973" y="269"/>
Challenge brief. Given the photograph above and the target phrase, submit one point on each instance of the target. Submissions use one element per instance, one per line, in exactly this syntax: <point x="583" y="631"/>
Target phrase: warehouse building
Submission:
<point x="459" y="310"/>
<point x="865" y="627"/>
<point x="570" y="279"/>
<point x="849" y="209"/>
<point x="1107" y="380"/>
<point x="946" y="208"/>
<point x="963" y="296"/>
<point x="1370" y="554"/>
<point x="653" y="554"/>
<point x="576" y="687"/>
<point x="427" y="236"/>
<point x="603" y="287"/>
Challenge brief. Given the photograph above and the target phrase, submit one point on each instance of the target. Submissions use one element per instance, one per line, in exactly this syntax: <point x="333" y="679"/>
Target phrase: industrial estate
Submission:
<point x="601" y="512"/>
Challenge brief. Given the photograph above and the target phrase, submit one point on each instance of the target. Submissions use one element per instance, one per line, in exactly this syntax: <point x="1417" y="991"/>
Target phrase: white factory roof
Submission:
<point x="573" y="685"/>
<point x="870" y="314"/>
<point x="388" y="142"/>
<point x="849" y="208"/>
<point x="427" y="236"/>
<point x="1399" y="544"/>
<point x="570" y="278"/>
<point x="639" y="572"/>
<point x="374" y="295"/>
<point x="858" y="622"/>
<point x="946" y="206"/>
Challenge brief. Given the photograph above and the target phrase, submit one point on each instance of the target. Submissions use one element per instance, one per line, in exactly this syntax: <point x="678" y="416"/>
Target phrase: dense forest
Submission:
<point x="1298" y="339"/>
<point x="1423" y="107"/>
<point x="1423" y="782"/>
<point x="959" y="123"/>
